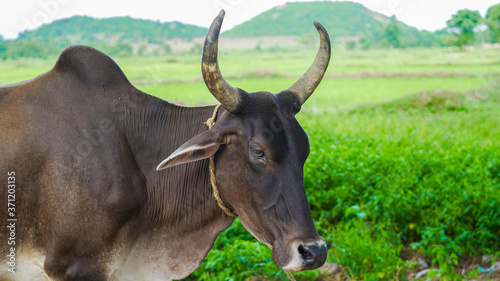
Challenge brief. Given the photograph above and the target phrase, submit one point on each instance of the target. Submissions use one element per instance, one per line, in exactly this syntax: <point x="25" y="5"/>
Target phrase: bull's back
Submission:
<point x="62" y="139"/>
<point x="67" y="106"/>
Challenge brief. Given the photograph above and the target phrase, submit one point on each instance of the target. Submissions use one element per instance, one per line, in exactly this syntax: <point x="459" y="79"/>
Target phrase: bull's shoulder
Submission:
<point x="89" y="66"/>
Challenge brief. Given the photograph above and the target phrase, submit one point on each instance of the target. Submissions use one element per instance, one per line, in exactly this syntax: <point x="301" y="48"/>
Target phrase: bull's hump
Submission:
<point x="90" y="66"/>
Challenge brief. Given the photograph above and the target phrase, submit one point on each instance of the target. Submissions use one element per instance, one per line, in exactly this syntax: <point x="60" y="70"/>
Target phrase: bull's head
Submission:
<point x="260" y="150"/>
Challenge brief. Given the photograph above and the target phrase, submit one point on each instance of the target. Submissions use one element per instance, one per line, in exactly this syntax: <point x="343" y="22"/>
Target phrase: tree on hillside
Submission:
<point x="493" y="21"/>
<point x="462" y="24"/>
<point x="392" y="33"/>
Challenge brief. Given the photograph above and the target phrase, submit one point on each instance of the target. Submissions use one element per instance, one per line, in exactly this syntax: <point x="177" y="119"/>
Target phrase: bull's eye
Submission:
<point x="259" y="154"/>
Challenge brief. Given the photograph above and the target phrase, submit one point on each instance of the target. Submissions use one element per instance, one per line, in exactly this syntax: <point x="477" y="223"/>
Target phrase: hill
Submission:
<point x="341" y="19"/>
<point x="295" y="18"/>
<point x="112" y="30"/>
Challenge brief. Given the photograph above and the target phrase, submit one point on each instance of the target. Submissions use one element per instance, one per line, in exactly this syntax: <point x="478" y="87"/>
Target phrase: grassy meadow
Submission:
<point x="405" y="155"/>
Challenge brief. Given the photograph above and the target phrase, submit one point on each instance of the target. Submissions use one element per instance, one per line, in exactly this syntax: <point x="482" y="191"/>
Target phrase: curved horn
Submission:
<point x="306" y="85"/>
<point x="228" y="96"/>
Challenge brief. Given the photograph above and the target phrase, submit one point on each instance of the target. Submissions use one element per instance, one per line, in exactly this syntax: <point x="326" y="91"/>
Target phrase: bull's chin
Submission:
<point x="287" y="258"/>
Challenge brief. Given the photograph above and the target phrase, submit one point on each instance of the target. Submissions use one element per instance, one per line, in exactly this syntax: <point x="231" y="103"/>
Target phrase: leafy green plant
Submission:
<point x="370" y="251"/>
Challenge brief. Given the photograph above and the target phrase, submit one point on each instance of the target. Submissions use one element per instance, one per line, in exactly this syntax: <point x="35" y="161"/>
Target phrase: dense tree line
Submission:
<point x="112" y="30"/>
<point x="115" y="36"/>
<point x="466" y="27"/>
<point x="45" y="48"/>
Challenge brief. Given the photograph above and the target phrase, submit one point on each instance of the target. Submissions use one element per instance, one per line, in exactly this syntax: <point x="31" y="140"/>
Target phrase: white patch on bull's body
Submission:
<point x="160" y="254"/>
<point x="29" y="266"/>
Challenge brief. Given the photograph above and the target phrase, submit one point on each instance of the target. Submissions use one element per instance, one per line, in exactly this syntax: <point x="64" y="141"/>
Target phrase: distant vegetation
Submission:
<point x="113" y="30"/>
<point x="350" y="25"/>
<point x="115" y="36"/>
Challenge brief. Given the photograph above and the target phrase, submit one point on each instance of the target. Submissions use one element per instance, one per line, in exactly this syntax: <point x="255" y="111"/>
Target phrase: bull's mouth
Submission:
<point x="301" y="256"/>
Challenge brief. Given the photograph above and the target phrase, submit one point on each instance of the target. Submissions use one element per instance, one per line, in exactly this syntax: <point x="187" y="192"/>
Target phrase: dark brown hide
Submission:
<point x="84" y="144"/>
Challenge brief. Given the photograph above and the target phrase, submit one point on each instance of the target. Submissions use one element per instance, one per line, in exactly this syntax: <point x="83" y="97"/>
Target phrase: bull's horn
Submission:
<point x="306" y="85"/>
<point x="228" y="96"/>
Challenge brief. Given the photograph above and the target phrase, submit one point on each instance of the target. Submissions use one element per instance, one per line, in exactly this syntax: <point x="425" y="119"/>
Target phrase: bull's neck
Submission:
<point x="179" y="196"/>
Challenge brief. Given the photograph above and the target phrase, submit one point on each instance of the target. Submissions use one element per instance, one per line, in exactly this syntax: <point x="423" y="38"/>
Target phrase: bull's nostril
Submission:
<point x="313" y="255"/>
<point x="305" y="253"/>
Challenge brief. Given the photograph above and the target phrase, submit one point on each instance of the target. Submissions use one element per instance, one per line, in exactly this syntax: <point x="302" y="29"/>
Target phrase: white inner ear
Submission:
<point x="189" y="154"/>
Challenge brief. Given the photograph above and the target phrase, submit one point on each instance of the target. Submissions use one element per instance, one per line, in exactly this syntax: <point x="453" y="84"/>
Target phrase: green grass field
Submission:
<point x="405" y="155"/>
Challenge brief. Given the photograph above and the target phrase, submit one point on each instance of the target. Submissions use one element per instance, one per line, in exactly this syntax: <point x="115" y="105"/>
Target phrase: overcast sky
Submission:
<point x="19" y="15"/>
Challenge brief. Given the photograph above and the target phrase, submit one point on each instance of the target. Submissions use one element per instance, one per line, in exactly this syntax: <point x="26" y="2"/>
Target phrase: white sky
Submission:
<point x="19" y="15"/>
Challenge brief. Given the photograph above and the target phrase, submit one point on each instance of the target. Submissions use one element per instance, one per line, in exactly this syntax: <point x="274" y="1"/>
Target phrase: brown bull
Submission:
<point x="80" y="147"/>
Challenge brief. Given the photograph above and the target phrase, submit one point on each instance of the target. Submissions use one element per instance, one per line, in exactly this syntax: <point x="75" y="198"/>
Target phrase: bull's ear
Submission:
<point x="199" y="147"/>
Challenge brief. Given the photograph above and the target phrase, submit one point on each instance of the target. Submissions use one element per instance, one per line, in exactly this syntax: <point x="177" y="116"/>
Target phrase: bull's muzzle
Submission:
<point x="307" y="256"/>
